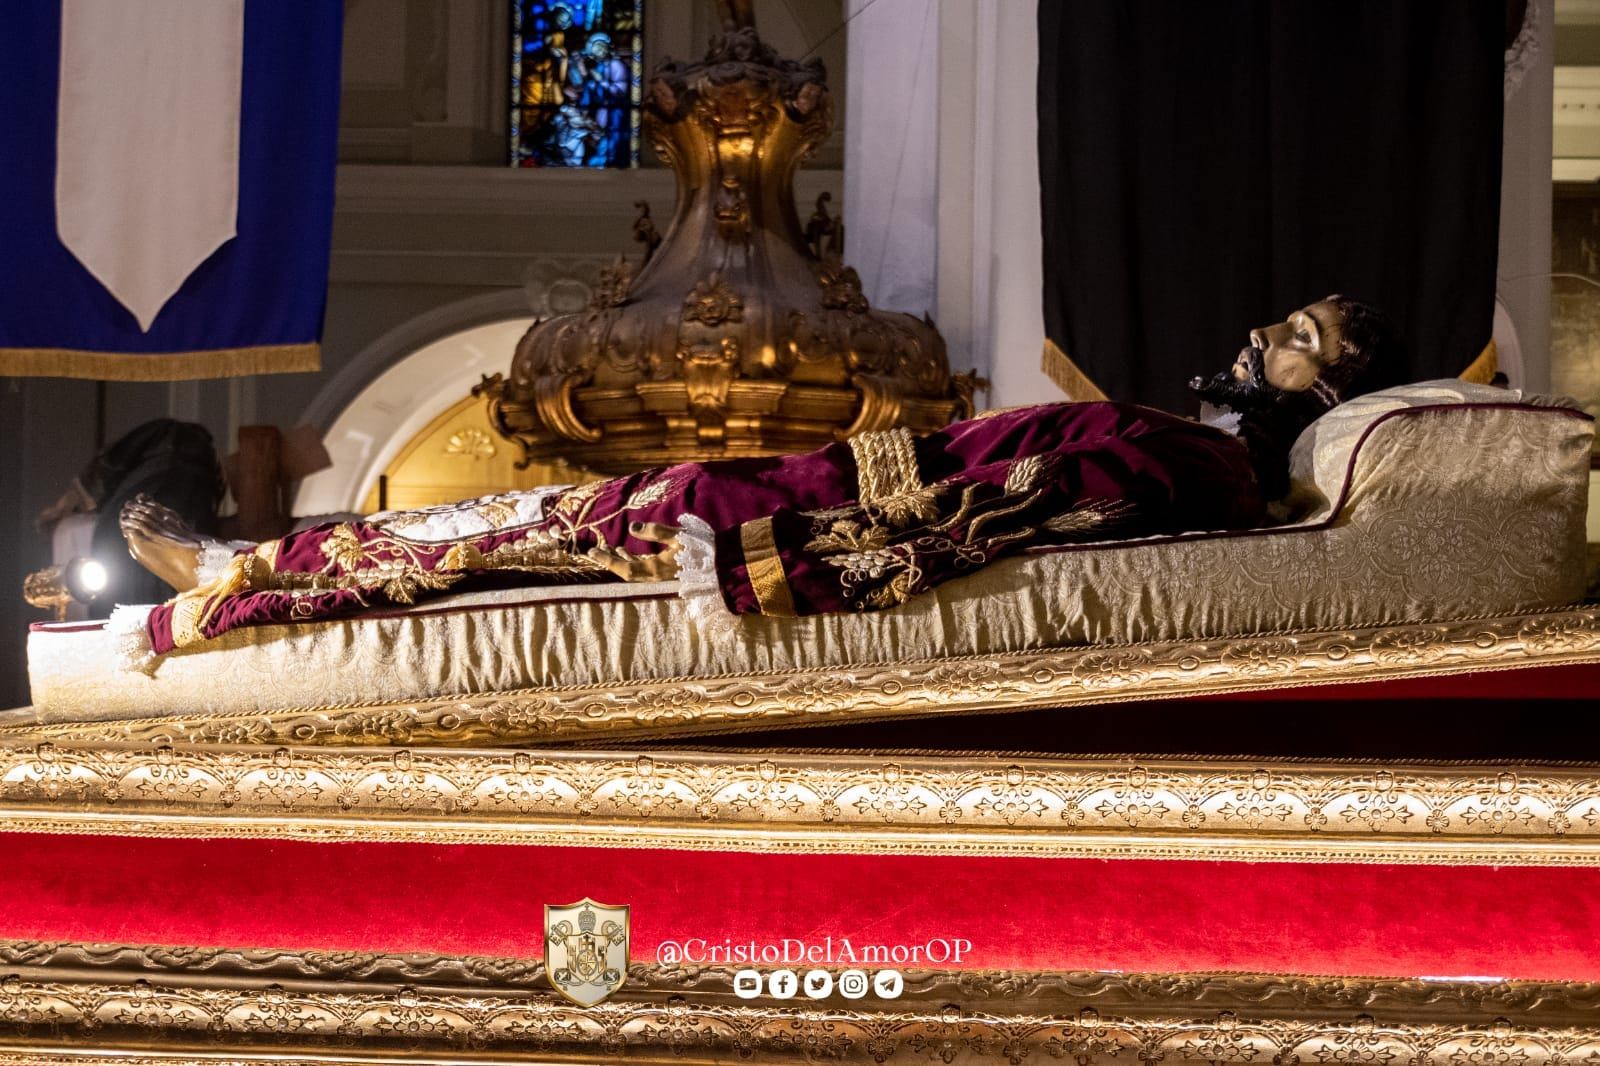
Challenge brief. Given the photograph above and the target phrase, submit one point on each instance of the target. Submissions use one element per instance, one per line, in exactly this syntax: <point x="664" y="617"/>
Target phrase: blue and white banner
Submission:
<point x="166" y="186"/>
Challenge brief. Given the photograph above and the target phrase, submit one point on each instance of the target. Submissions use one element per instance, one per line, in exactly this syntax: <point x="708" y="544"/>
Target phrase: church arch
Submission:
<point x="399" y="385"/>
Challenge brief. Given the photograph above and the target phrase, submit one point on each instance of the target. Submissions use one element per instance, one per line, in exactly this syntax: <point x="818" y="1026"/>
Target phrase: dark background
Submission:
<point x="1206" y="168"/>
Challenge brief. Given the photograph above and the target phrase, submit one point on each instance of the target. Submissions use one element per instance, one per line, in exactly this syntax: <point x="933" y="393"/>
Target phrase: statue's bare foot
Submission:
<point x="161" y="541"/>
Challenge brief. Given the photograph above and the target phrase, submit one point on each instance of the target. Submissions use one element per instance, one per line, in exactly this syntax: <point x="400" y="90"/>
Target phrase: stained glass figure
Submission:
<point x="575" y="77"/>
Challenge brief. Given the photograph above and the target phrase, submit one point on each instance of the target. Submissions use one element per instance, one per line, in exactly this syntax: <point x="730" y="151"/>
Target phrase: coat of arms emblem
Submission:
<point x="586" y="949"/>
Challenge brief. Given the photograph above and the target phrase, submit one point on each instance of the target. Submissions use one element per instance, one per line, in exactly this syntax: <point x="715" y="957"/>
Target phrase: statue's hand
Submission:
<point x="656" y="566"/>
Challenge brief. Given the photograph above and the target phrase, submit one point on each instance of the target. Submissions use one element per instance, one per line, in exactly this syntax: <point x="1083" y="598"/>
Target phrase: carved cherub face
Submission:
<point x="662" y="96"/>
<point x="807" y="99"/>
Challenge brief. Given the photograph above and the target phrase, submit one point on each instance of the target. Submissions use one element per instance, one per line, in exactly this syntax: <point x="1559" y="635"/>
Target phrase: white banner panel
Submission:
<point x="147" y="165"/>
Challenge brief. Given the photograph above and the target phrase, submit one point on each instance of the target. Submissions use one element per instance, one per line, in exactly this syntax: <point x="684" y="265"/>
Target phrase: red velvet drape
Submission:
<point x="1147" y="915"/>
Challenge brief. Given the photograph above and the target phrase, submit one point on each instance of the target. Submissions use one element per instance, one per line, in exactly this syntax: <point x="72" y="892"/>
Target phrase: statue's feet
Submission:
<point x="161" y="541"/>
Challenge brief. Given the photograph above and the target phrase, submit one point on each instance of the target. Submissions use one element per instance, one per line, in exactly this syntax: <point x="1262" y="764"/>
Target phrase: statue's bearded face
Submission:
<point x="1292" y="372"/>
<point x="1297" y="350"/>
<point x="1287" y="357"/>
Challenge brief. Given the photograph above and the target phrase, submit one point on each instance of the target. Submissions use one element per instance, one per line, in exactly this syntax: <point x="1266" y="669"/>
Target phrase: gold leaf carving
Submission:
<point x="1304" y="812"/>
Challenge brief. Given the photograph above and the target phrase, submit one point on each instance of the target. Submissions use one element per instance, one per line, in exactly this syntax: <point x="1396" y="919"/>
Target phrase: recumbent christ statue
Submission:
<point x="856" y="526"/>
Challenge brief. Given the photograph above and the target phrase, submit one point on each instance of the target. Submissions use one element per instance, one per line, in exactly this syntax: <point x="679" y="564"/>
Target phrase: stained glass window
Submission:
<point x="575" y="81"/>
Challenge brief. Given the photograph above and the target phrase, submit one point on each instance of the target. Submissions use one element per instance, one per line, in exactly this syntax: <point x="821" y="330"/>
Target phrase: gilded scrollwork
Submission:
<point x="736" y="304"/>
<point x="81" y="1001"/>
<point x="915" y="804"/>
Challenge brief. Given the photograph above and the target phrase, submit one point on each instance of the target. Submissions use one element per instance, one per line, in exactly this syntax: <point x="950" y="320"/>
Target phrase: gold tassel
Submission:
<point x="193" y="609"/>
<point x="1483" y="369"/>
<point x="463" y="556"/>
<point x="1065" y="373"/>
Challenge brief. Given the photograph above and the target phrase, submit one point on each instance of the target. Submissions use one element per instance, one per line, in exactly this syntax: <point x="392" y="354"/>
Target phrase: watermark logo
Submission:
<point x="818" y="984"/>
<point x="586" y="949"/>
<point x="747" y="984"/>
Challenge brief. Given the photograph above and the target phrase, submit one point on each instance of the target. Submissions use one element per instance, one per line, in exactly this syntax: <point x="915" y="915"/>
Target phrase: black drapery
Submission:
<point x="1207" y="167"/>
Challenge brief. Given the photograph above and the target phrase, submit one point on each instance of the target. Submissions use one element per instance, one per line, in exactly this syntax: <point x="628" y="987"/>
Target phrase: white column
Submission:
<point x="1525" y="180"/>
<point x="1009" y="287"/>
<point x="991" y="275"/>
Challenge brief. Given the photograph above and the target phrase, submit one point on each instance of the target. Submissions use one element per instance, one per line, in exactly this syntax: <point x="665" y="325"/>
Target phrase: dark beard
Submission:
<point x="1250" y="393"/>
<point x="1269" y="418"/>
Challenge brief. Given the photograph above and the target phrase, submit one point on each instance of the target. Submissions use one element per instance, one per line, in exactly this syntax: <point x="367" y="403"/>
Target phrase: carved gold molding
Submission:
<point x="1456" y="814"/>
<point x="95" y="1003"/>
<point x="1046" y="678"/>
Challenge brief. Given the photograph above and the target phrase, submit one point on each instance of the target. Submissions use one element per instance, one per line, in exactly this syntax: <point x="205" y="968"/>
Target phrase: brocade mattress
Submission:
<point x="1426" y="503"/>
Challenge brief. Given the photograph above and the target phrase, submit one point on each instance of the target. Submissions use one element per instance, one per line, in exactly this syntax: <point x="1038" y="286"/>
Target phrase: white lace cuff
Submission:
<point x="697" y="578"/>
<point x="214" y="558"/>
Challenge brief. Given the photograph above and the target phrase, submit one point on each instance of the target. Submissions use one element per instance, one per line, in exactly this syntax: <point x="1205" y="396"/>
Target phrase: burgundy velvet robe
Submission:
<point x="853" y="526"/>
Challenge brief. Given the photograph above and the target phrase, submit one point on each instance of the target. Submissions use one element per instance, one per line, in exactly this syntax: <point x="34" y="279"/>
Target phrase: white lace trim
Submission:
<point x="130" y="632"/>
<point x="1223" y="418"/>
<point x="697" y="579"/>
<point x="471" y="518"/>
<point x="215" y="556"/>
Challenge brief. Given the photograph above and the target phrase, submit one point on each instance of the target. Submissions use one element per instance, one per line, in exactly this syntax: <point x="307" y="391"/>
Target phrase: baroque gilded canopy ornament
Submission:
<point x="742" y="334"/>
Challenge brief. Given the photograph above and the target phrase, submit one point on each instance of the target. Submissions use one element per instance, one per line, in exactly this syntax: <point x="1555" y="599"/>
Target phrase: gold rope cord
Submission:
<point x="886" y="464"/>
<point x="159" y="366"/>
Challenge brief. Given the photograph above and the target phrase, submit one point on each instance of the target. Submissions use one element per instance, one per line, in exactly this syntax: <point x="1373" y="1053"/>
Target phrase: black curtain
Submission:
<point x="1206" y="167"/>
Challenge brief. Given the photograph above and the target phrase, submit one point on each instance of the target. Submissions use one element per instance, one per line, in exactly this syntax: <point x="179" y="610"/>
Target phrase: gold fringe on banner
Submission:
<point x="159" y="366"/>
<point x="1483" y="369"/>
<point x="1068" y="378"/>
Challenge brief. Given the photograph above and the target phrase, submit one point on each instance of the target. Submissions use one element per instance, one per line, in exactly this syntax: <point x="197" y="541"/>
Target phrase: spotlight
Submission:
<point x="86" y="579"/>
<point x="54" y="587"/>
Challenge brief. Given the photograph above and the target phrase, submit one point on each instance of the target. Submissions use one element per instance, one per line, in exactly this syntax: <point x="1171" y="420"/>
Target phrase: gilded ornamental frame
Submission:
<point x="464" y="769"/>
<point x="75" y="1003"/>
<point x="1449" y="813"/>
<point x="454" y="773"/>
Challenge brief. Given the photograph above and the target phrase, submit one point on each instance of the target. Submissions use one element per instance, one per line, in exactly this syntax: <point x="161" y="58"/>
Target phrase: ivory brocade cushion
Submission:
<point x="1433" y="502"/>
